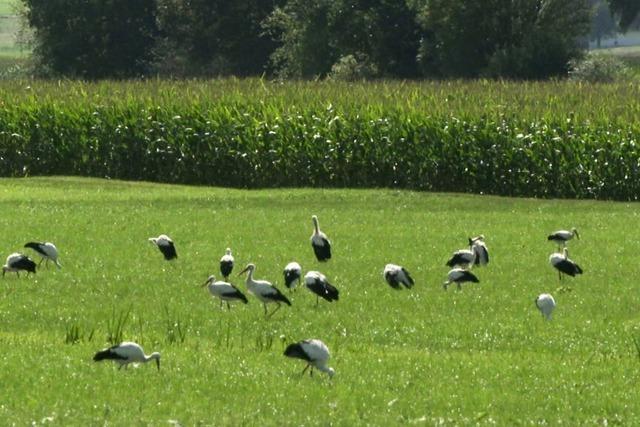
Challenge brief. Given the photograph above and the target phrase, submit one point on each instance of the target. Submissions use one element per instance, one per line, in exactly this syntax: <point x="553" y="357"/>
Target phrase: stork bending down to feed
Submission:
<point x="396" y="275"/>
<point x="125" y="353"/>
<point x="166" y="246"/>
<point x="16" y="262"/>
<point x="46" y="250"/>
<point x="314" y="352"/>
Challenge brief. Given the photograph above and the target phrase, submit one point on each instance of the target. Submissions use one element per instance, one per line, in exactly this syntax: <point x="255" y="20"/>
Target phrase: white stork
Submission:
<point x="263" y="290"/>
<point x="396" y="275"/>
<point x="318" y="284"/>
<point x="16" y="262"/>
<point x="459" y="276"/>
<point x="314" y="352"/>
<point x="546" y="304"/>
<point x="166" y="246"/>
<point x="46" y="250"/>
<point x="125" y="353"/>
<point x="226" y="264"/>
<point x="320" y="242"/>
<point x="477" y="245"/>
<point x="292" y="274"/>
<point x="561" y="237"/>
<point x="464" y="258"/>
<point x="562" y="263"/>
<point x="225" y="291"/>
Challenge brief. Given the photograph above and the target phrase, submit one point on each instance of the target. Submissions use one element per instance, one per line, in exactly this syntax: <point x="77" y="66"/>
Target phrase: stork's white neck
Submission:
<point x="152" y="356"/>
<point x="316" y="225"/>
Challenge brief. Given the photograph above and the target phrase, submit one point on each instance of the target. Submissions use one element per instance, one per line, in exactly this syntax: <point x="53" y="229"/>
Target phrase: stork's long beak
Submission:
<point x="577" y="234"/>
<point x="204" y="284"/>
<point x="243" y="271"/>
<point x="158" y="363"/>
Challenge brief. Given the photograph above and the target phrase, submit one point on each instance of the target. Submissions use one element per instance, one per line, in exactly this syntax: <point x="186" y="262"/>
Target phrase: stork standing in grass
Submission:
<point x="546" y="304"/>
<point x="46" y="250"/>
<point x="320" y="242"/>
<point x="318" y="284"/>
<point x="396" y="275"/>
<point x="226" y="264"/>
<point x="225" y="291"/>
<point x="561" y="237"/>
<point x="459" y="276"/>
<point x="314" y="352"/>
<point x="263" y="290"/>
<point x="477" y="245"/>
<point x="564" y="265"/>
<point x="292" y="274"/>
<point x="125" y="353"/>
<point x="17" y="262"/>
<point x="166" y="246"/>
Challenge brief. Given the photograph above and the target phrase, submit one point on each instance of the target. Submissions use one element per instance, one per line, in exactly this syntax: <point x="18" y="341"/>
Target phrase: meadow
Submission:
<point x="483" y="355"/>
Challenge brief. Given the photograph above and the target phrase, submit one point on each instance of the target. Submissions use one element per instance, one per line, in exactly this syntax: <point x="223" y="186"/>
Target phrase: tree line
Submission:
<point x="350" y="39"/>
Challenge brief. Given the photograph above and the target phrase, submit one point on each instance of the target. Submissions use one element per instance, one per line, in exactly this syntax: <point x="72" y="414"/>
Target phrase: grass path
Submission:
<point x="423" y="356"/>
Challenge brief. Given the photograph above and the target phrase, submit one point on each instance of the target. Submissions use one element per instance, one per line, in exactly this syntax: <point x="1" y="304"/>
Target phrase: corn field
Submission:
<point x="555" y="139"/>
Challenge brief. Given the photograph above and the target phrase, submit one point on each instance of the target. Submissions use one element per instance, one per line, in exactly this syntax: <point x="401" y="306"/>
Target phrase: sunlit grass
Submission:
<point x="423" y="355"/>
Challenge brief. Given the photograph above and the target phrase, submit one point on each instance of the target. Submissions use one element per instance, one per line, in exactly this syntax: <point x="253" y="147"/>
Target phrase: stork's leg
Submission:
<point x="459" y="286"/>
<point x="220" y="303"/>
<point x="40" y="263"/>
<point x="265" y="308"/>
<point x="273" y="312"/>
<point x="18" y="273"/>
<point x="228" y="306"/>
<point x="317" y="300"/>
<point x="305" y="369"/>
<point x="311" y="372"/>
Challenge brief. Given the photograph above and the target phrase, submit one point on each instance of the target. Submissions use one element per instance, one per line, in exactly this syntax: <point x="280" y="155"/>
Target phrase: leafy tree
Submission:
<point x="627" y="10"/>
<point x="314" y="35"/>
<point x="214" y="36"/>
<point x="500" y="38"/>
<point x="92" y="38"/>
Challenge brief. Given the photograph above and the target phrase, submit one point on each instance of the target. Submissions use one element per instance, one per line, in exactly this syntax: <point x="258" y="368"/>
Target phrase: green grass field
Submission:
<point x="423" y="356"/>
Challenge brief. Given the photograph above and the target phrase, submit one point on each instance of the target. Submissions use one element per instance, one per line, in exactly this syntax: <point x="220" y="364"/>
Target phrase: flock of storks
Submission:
<point x="313" y="351"/>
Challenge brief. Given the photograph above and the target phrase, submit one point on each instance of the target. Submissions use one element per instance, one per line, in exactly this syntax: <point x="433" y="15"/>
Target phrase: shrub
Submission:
<point x="598" y="68"/>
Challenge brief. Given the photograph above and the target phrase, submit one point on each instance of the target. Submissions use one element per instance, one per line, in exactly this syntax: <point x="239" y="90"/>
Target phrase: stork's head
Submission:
<point x="210" y="279"/>
<point x="250" y="268"/>
<point x="228" y="251"/>
<point x="331" y="372"/>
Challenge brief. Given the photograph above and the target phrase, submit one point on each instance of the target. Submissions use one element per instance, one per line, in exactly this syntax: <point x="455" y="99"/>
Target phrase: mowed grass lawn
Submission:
<point x="420" y="356"/>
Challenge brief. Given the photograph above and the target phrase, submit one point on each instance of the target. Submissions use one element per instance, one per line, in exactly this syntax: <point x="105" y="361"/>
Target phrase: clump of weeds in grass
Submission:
<point x="115" y="326"/>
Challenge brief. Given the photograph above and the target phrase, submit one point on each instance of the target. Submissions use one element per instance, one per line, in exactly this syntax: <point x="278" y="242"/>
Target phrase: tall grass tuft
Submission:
<point x="115" y="326"/>
<point x="175" y="329"/>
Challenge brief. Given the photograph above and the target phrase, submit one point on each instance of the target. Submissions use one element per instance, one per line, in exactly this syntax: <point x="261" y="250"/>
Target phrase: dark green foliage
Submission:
<point x="314" y="35"/>
<point x="521" y="39"/>
<point x="264" y="142"/>
<point x="627" y="10"/>
<point x="92" y="38"/>
<point x="221" y="37"/>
